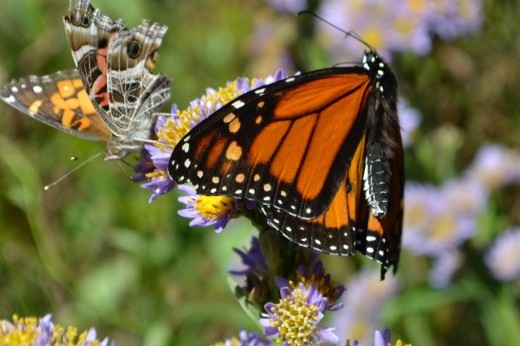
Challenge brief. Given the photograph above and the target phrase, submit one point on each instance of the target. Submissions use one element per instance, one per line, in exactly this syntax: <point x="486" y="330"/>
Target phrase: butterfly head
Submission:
<point x="381" y="73"/>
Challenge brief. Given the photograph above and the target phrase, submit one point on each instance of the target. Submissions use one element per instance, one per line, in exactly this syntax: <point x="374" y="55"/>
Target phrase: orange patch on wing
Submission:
<point x="66" y="88"/>
<point x="266" y="142"/>
<point x="229" y="118"/>
<point x="35" y="106"/>
<point x="336" y="215"/>
<point x="233" y="151"/>
<point x="317" y="93"/>
<point x="215" y="152"/>
<point x="234" y="126"/>
<point x="77" y="83"/>
<point x="203" y="145"/>
<point x="84" y="103"/>
<point x="291" y="153"/>
<point x="355" y="178"/>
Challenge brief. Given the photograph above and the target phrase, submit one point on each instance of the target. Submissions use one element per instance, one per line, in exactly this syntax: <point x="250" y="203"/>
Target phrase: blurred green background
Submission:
<point x="93" y="252"/>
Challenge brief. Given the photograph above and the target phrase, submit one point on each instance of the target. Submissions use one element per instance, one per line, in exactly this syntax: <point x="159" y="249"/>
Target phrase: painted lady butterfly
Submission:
<point x="112" y="95"/>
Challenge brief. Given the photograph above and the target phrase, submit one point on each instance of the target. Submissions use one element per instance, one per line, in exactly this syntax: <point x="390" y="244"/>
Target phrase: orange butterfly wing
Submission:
<point x="59" y="100"/>
<point x="288" y="148"/>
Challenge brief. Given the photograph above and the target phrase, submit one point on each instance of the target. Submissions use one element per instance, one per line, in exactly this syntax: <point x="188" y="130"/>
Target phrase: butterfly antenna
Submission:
<point x="352" y="34"/>
<point x="73" y="158"/>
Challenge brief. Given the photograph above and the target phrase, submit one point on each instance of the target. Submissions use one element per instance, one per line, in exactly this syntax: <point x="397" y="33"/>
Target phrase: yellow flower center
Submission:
<point x="213" y="207"/>
<point x="296" y="319"/>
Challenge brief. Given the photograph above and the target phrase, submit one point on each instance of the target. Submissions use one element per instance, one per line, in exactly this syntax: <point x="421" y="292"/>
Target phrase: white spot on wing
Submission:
<point x="37" y="89"/>
<point x="186" y="147"/>
<point x="187" y="163"/>
<point x="238" y="104"/>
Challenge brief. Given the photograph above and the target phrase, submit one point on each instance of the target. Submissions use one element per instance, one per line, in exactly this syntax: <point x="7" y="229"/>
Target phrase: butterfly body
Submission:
<point x="112" y="95"/>
<point x="320" y="153"/>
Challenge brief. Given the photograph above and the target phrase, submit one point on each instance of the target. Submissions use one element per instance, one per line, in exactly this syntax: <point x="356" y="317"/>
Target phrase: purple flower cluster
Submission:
<point x="438" y="219"/>
<point x="43" y="332"/>
<point x="398" y="26"/>
<point x="294" y="309"/>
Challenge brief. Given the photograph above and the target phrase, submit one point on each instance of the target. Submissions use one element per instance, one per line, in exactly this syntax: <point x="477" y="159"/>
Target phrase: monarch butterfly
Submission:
<point x="320" y="153"/>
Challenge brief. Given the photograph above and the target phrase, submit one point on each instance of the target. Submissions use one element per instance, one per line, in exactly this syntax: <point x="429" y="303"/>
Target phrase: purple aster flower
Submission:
<point x="159" y="181"/>
<point x="364" y="298"/>
<point x="503" y="257"/>
<point x="444" y="267"/>
<point x="494" y="166"/>
<point x="206" y="211"/>
<point x="294" y="319"/>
